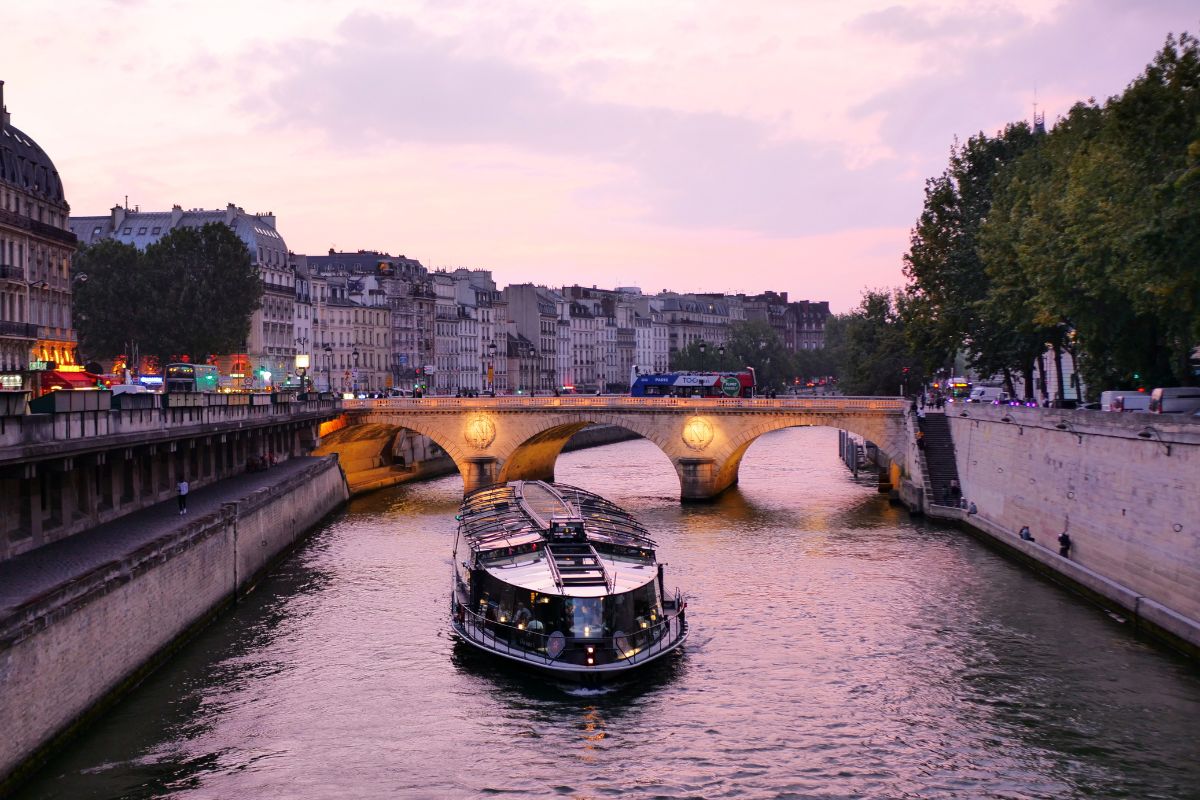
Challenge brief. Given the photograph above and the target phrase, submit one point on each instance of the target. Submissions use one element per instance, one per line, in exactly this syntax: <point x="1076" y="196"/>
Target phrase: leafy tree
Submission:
<point x="870" y="348"/>
<point x="106" y="304"/>
<point x="946" y="305"/>
<point x="191" y="294"/>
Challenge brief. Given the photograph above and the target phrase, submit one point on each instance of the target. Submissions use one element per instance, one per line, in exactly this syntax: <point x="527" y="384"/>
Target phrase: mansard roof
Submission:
<point x="25" y="165"/>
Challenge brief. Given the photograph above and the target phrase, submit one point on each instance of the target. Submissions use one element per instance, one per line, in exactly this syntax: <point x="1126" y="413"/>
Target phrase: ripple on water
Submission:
<point x="839" y="649"/>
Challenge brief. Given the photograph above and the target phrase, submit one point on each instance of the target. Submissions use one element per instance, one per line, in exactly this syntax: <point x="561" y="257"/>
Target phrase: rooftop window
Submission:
<point x="127" y="231"/>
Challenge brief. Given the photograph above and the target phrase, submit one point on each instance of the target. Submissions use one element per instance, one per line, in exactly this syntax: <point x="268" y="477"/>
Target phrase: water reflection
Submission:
<point x="838" y="648"/>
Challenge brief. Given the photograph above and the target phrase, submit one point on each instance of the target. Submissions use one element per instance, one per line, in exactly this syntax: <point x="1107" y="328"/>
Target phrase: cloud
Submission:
<point x="381" y="82"/>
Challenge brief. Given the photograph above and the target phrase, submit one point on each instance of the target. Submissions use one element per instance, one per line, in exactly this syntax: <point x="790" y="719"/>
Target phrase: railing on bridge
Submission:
<point x="622" y="402"/>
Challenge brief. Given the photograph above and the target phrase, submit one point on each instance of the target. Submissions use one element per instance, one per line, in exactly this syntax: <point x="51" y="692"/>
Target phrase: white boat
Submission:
<point x="559" y="579"/>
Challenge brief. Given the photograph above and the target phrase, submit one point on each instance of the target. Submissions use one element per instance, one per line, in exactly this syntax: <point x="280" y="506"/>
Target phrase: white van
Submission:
<point x="1175" y="400"/>
<point x="1124" y="400"/>
<point x="128" y="388"/>
<point x="988" y="394"/>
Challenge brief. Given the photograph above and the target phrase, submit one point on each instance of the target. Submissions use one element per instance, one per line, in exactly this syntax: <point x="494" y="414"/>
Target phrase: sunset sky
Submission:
<point x="697" y="146"/>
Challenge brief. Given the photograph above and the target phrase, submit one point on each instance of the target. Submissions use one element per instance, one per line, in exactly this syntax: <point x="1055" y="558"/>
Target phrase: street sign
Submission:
<point x="430" y="369"/>
<point x="731" y="386"/>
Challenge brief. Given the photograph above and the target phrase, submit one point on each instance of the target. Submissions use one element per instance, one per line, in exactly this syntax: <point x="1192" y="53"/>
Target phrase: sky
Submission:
<point x="692" y="146"/>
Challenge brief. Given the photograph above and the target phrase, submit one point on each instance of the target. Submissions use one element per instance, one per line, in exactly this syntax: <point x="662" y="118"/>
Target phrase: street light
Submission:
<point x="302" y="368"/>
<point x="491" y="370"/>
<point x="354" y="375"/>
<point x="328" y="368"/>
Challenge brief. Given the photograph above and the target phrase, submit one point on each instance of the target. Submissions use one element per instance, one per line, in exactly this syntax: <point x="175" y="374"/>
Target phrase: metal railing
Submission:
<point x="837" y="403"/>
<point x="23" y="329"/>
<point x="521" y="642"/>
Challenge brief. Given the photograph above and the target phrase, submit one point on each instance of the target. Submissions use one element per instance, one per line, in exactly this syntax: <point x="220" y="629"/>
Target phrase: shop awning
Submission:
<point x="67" y="380"/>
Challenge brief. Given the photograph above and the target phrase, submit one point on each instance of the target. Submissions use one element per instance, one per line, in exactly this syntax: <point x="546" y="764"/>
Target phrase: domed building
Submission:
<point x="36" y="246"/>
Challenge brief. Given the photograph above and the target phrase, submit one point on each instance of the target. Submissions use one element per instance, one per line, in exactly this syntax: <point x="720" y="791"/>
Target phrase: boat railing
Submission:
<point x="520" y="641"/>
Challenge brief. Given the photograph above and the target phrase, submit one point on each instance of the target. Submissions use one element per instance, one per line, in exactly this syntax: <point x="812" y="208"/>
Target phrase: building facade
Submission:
<point x="37" y="336"/>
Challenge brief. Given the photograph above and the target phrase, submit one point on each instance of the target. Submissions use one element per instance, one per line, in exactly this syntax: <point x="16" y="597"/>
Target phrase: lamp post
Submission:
<point x="354" y="375"/>
<point x="491" y="368"/>
<point x="328" y="368"/>
<point x="302" y="369"/>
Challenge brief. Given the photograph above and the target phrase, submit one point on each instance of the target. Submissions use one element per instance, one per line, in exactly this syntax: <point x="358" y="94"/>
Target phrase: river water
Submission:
<point x="838" y="649"/>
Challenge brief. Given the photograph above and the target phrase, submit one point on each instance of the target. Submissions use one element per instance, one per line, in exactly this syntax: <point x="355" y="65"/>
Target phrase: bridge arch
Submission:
<point x="869" y="429"/>
<point x="501" y="439"/>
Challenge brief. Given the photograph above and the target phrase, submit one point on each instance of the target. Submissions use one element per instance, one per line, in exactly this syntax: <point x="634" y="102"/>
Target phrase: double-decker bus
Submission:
<point x="693" y="384"/>
<point x="191" y="378"/>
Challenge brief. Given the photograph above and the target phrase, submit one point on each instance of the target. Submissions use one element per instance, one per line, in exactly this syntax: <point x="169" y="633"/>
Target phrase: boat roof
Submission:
<point x="522" y="512"/>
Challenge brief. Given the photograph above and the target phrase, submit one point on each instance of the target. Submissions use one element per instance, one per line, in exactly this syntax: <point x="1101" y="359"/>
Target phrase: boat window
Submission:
<point x="586" y="616"/>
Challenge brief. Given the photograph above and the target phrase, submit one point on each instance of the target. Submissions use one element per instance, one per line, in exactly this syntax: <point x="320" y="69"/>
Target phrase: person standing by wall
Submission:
<point x="1064" y="544"/>
<point x="182" y="493"/>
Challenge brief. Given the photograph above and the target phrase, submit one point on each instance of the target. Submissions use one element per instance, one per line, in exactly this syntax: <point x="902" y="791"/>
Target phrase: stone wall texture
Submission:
<point x="78" y="645"/>
<point x="1126" y="487"/>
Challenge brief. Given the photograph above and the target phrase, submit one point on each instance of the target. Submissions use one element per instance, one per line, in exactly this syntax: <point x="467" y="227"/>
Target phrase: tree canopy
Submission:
<point x="1085" y="239"/>
<point x="189" y="295"/>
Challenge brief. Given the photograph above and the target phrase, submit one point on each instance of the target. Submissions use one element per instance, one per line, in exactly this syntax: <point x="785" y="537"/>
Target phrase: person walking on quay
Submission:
<point x="182" y="493"/>
<point x="1064" y="544"/>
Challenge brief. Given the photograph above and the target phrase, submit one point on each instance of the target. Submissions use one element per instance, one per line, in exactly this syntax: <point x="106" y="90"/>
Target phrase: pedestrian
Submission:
<point x="920" y="440"/>
<point x="954" y="492"/>
<point x="1025" y="534"/>
<point x="921" y="411"/>
<point x="972" y="510"/>
<point x="182" y="492"/>
<point x="1064" y="544"/>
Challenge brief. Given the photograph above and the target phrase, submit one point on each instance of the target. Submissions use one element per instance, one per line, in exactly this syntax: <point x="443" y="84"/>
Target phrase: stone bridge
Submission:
<point x="497" y="439"/>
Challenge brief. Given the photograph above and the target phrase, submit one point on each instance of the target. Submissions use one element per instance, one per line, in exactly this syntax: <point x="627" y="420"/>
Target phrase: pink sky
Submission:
<point x="696" y="146"/>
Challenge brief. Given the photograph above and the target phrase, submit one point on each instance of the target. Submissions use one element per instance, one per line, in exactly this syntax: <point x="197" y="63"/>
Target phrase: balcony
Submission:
<point x="11" y="272"/>
<point x="21" y="330"/>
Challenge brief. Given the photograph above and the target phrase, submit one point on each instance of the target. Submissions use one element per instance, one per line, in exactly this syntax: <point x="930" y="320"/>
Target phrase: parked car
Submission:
<point x="1175" y="400"/>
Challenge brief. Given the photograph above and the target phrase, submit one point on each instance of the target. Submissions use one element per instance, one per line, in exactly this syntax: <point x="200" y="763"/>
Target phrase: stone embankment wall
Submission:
<point x="1125" y="487"/>
<point x="64" y="654"/>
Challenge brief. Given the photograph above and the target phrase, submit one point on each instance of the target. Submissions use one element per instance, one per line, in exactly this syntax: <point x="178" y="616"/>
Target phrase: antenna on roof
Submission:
<point x="1039" y="120"/>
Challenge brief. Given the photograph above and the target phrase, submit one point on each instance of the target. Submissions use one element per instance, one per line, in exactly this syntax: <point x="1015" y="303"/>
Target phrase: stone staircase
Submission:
<point x="940" y="466"/>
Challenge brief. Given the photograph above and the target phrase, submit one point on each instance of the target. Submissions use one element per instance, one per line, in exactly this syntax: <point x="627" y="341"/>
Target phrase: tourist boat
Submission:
<point x="562" y="580"/>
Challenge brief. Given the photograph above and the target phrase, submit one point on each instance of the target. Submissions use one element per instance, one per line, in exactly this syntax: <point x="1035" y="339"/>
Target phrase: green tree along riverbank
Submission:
<point x="1085" y="238"/>
<point x="189" y="294"/>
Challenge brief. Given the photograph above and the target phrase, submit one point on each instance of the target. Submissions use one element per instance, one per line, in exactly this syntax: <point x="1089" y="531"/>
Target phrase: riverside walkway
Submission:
<point x="32" y="575"/>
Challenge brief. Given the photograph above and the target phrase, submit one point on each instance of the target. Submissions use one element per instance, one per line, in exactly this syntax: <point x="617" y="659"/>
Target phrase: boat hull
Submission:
<point x="478" y="637"/>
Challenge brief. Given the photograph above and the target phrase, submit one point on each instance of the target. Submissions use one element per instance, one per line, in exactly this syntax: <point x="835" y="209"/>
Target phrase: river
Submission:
<point x="839" y="649"/>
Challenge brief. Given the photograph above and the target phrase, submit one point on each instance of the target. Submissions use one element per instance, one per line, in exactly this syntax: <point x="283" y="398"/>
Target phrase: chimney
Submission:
<point x="3" y="109"/>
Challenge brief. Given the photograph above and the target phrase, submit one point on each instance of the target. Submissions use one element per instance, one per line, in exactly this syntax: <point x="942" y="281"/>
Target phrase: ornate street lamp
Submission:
<point x="354" y="377"/>
<point x="328" y="368"/>
<point x="491" y="368"/>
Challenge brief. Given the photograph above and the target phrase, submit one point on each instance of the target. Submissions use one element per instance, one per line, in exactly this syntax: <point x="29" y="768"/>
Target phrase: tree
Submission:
<point x="870" y="348"/>
<point x="189" y="295"/>
<point x="946" y="305"/>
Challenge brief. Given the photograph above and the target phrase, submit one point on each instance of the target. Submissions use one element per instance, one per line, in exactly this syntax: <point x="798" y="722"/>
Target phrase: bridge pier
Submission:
<point x="701" y="479"/>
<point x="479" y="471"/>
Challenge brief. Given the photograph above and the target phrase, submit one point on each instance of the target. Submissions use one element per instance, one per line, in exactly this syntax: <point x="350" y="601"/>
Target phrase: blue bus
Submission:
<point x="693" y="384"/>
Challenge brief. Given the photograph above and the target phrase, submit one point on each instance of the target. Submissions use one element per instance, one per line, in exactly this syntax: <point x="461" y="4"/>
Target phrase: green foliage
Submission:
<point x="189" y="294"/>
<point x="751" y="344"/>
<point x="1086" y="239"/>
<point x="870" y="349"/>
